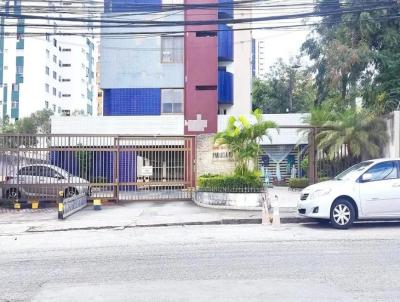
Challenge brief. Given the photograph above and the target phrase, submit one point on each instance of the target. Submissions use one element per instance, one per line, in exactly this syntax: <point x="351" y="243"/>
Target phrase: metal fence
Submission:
<point x="36" y="167"/>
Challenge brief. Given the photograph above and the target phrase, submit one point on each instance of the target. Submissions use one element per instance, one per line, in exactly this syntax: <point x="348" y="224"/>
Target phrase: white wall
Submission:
<point x="124" y="125"/>
<point x="241" y="67"/>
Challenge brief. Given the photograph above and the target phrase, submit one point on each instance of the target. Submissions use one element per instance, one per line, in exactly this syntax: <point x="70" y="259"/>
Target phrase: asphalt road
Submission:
<point x="204" y="263"/>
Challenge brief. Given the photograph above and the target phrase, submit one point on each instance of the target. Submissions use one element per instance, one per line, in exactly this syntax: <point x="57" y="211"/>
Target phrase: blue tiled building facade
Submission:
<point x="134" y="73"/>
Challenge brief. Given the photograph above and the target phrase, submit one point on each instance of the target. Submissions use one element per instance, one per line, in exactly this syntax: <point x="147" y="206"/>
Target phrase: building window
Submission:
<point x="54" y="75"/>
<point x="46" y="104"/>
<point x="59" y="94"/>
<point x="66" y="49"/>
<point x="171" y="49"/>
<point x="14" y="105"/>
<point x="47" y="87"/>
<point x="55" y="43"/>
<point x="171" y="101"/>
<point x="47" y="37"/>
<point x="20" y="69"/>
<point x="206" y="34"/>
<point x="65" y="65"/>
<point x="47" y="70"/>
<point x="66" y="80"/>
<point x="54" y="91"/>
<point x="66" y="95"/>
<point x="54" y="108"/>
<point x="47" y="53"/>
<point x="15" y="87"/>
<point x="59" y="109"/>
<point x="55" y="59"/>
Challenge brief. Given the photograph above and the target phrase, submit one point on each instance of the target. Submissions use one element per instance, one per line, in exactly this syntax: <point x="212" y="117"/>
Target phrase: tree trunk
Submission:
<point x="344" y="87"/>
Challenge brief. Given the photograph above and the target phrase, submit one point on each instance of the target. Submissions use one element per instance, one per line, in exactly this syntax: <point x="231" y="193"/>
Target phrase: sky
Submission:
<point x="282" y="43"/>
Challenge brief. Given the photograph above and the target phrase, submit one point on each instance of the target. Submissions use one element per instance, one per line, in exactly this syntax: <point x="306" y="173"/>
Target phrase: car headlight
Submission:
<point x="319" y="193"/>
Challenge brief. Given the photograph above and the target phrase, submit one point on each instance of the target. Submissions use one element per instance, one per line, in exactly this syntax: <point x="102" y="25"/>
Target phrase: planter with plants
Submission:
<point x="244" y="188"/>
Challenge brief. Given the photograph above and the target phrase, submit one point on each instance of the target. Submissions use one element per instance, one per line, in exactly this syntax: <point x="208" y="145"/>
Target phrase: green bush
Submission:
<point x="298" y="183"/>
<point x="301" y="183"/>
<point x="231" y="183"/>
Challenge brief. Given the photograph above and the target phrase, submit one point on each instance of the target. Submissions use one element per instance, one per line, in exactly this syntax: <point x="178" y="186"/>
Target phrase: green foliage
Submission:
<point x="298" y="183"/>
<point x="243" y="138"/>
<point x="304" y="164"/>
<point x="357" y="55"/>
<point x="37" y="123"/>
<point x="282" y="83"/>
<point x="231" y="183"/>
<point x="360" y="131"/>
<point x="301" y="183"/>
<point x="84" y="159"/>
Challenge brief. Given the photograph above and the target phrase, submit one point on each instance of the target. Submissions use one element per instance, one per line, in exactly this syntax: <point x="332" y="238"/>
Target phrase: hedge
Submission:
<point x="232" y="183"/>
<point x="301" y="183"/>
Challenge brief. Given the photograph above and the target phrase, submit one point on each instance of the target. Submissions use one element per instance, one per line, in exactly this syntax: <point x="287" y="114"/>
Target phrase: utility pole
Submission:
<point x="292" y="79"/>
<point x="291" y="87"/>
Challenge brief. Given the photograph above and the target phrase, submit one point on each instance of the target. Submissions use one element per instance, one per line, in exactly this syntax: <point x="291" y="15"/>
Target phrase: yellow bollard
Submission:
<point x="35" y="204"/>
<point x="60" y="210"/>
<point x="17" y="205"/>
<point x="97" y="204"/>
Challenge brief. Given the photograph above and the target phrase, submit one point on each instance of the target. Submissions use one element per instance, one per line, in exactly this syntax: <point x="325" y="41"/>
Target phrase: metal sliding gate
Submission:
<point x="113" y="167"/>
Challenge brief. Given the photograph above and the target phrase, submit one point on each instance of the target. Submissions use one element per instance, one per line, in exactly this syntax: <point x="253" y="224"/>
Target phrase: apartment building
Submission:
<point x="194" y="74"/>
<point x="39" y="67"/>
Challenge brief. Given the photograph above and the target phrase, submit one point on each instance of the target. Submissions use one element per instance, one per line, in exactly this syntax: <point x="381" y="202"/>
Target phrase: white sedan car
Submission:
<point x="368" y="190"/>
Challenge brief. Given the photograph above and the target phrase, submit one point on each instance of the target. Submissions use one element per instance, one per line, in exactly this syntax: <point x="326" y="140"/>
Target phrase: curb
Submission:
<point x="284" y="220"/>
<point x="209" y="206"/>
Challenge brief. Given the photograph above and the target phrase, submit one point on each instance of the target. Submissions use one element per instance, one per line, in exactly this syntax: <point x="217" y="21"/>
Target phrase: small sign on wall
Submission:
<point x="221" y="153"/>
<point x="147" y="171"/>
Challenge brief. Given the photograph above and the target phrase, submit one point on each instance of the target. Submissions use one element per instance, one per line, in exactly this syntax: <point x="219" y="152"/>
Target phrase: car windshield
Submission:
<point x="356" y="169"/>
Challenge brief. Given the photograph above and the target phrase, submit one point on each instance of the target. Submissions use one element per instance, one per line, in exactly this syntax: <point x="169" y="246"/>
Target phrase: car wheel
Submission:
<point x="69" y="192"/>
<point x="342" y="214"/>
<point x="13" y="194"/>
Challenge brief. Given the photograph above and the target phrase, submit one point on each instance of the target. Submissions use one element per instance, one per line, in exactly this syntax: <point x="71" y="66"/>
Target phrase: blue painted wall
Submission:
<point x="225" y="9"/>
<point x="225" y="87"/>
<point x="132" y="101"/>
<point x="225" y="43"/>
<point x="101" y="166"/>
<point x="115" y="6"/>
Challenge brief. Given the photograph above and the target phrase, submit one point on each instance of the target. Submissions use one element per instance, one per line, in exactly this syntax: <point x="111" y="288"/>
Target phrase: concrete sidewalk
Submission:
<point x="136" y="214"/>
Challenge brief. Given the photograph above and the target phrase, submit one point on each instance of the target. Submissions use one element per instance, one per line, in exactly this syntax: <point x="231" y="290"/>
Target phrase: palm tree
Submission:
<point x="362" y="133"/>
<point x="243" y="139"/>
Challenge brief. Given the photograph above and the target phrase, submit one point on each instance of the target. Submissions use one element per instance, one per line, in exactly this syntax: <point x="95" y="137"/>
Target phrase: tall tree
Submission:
<point x="284" y="89"/>
<point x="360" y="131"/>
<point x="357" y="54"/>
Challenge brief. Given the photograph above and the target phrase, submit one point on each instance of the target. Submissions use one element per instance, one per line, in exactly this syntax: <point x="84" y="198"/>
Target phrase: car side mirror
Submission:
<point x="366" y="177"/>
